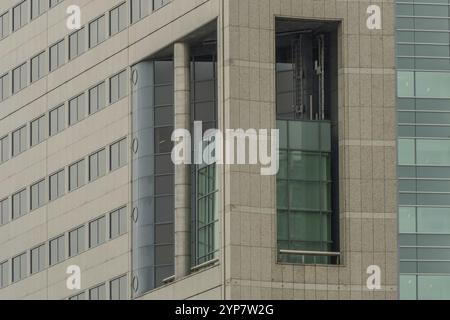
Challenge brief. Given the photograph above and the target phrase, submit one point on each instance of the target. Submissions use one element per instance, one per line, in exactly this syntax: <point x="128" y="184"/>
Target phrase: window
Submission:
<point x="76" y="241"/>
<point x="4" y="25"/>
<point x="4" y="274"/>
<point x="38" y="67"/>
<point x="4" y="211"/>
<point x="57" y="55"/>
<point x="19" y="78"/>
<point x="57" y="120"/>
<point x="97" y="165"/>
<point x="19" y="141"/>
<point x="79" y="296"/>
<point x="19" y="267"/>
<point x="37" y="195"/>
<point x="117" y="19"/>
<point x="97" y="232"/>
<point x="38" y="7"/>
<point x="57" y="250"/>
<point x="118" y="288"/>
<point x="20" y="15"/>
<point x="19" y="204"/>
<point x="4" y="149"/>
<point x="76" y="110"/>
<point x="57" y="185"/>
<point x="117" y="87"/>
<point x="4" y="87"/>
<point x="98" y="293"/>
<point x="76" y="175"/>
<point x="54" y="2"/>
<point x="37" y="131"/>
<point x="97" y="32"/>
<point x="37" y="259"/>
<point x="117" y="223"/>
<point x="159" y="3"/>
<point x="97" y="98"/>
<point x="118" y="154"/>
<point x="139" y="9"/>
<point x="76" y="43"/>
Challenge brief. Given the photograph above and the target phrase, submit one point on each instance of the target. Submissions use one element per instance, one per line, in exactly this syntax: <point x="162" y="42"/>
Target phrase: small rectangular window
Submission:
<point x="19" y="141"/>
<point x="118" y="154"/>
<point x="117" y="223"/>
<point x="98" y="293"/>
<point x="38" y="67"/>
<point x="57" y="250"/>
<point x="117" y="19"/>
<point x="54" y="3"/>
<point x="19" y="78"/>
<point x="4" y="274"/>
<point x="37" y="131"/>
<point x="76" y="175"/>
<point x="57" y="55"/>
<point x="79" y="296"/>
<point x="139" y="9"/>
<point x="118" y="288"/>
<point x="20" y="15"/>
<point x="57" y="185"/>
<point x="4" y="25"/>
<point x="38" y="7"/>
<point x="76" y="109"/>
<point x="97" y="232"/>
<point x="4" y="211"/>
<point x="19" y="267"/>
<point x="76" y="44"/>
<point x="97" y="31"/>
<point x="76" y="241"/>
<point x="37" y="195"/>
<point x="19" y="204"/>
<point x="117" y="87"/>
<point x="159" y="4"/>
<point x="4" y="87"/>
<point x="4" y="149"/>
<point x="57" y="120"/>
<point x="97" y="98"/>
<point x="37" y="256"/>
<point x="97" y="165"/>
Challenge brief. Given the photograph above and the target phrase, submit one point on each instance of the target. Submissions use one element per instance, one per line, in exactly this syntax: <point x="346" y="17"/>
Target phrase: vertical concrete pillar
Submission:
<point x="182" y="172"/>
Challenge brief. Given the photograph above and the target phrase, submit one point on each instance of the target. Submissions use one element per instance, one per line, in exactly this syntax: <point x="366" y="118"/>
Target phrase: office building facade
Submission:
<point x="87" y="177"/>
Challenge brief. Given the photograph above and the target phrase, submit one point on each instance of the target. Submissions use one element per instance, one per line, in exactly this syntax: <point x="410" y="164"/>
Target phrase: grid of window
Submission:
<point x="4" y="274"/>
<point x="139" y="9"/>
<point x="4" y="149"/>
<point x="118" y="288"/>
<point x="98" y="293"/>
<point x="118" y="87"/>
<point x="38" y="68"/>
<point x="57" y="185"/>
<point x="117" y="223"/>
<point x="97" y="32"/>
<point x="4" y="87"/>
<point x="97" y="232"/>
<point x="77" y="175"/>
<point x="57" y="120"/>
<point x="76" y="109"/>
<point x="4" y="25"/>
<point x="117" y="19"/>
<point x="57" y="55"/>
<point x="57" y="250"/>
<point x="20" y="15"/>
<point x="76" y="241"/>
<point x="37" y="257"/>
<point x="37" y="195"/>
<point x="38" y="131"/>
<point x="118" y="154"/>
<point x="19" y="78"/>
<point x="76" y="44"/>
<point x="19" y="267"/>
<point x="97" y="98"/>
<point x="38" y="7"/>
<point x="19" y="141"/>
<point x="97" y="165"/>
<point x="4" y="211"/>
<point x="19" y="204"/>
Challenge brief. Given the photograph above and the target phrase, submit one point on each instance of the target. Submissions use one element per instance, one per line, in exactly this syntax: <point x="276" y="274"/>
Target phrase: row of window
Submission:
<point x="57" y="120"/>
<point x="95" y="164"/>
<point x="57" y="55"/>
<point x="54" y="251"/>
<point x="117" y="291"/>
